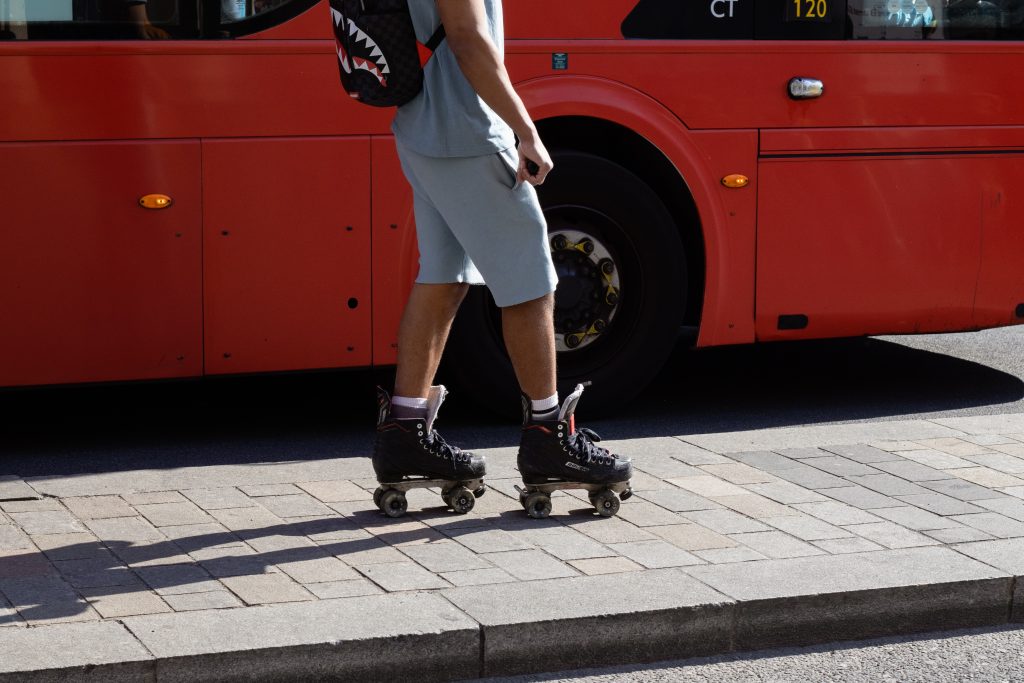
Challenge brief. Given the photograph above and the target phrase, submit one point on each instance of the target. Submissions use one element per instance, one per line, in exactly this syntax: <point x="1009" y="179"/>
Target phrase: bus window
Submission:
<point x="96" y="19"/>
<point x="937" y="19"/>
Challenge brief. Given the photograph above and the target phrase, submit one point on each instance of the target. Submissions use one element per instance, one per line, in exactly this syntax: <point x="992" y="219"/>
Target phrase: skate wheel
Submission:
<point x="376" y="496"/>
<point x="606" y="503"/>
<point x="523" y="495"/>
<point x="626" y="495"/>
<point x="461" y="500"/>
<point x="480" y="491"/>
<point x="592" y="495"/>
<point x="393" y="503"/>
<point x="538" y="505"/>
<point x="446" y="496"/>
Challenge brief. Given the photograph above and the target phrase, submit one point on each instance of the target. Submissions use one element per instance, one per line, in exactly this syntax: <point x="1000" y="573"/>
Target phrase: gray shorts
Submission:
<point x="476" y="225"/>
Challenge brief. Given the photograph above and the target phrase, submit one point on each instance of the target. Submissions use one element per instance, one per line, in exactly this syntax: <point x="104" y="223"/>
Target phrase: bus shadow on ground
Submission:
<point x="269" y="418"/>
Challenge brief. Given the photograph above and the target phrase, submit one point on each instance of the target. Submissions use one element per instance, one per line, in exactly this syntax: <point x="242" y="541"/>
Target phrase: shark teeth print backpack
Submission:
<point x="380" y="60"/>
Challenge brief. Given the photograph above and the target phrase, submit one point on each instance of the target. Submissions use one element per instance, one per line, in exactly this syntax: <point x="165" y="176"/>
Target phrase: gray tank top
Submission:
<point x="448" y="118"/>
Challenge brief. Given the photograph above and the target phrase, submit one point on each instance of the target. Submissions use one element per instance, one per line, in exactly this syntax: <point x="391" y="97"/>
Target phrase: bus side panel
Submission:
<point x="286" y="227"/>
<point x="93" y="287"/>
<point x="859" y="246"/>
<point x="1001" y="280"/>
<point x="395" y="256"/>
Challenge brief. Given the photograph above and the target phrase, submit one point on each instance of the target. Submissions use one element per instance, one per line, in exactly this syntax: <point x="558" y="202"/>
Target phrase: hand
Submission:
<point x="533" y="150"/>
<point x="149" y="32"/>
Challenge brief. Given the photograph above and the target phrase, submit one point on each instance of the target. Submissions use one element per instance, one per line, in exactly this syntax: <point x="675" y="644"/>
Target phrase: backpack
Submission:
<point x="379" y="59"/>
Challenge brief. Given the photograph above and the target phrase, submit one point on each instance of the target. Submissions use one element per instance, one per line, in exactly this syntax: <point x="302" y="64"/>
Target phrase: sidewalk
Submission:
<point x="733" y="541"/>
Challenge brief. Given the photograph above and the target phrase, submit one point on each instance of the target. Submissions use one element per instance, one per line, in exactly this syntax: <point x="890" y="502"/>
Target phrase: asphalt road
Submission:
<point x="68" y="430"/>
<point x="990" y="655"/>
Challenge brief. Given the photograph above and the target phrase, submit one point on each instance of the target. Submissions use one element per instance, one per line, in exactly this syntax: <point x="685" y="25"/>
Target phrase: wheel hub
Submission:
<point x="588" y="292"/>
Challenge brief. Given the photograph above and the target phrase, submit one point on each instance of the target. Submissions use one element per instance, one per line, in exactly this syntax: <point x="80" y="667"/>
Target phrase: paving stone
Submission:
<point x="739" y="474"/>
<point x="402" y="532"/>
<point x="641" y="513"/>
<point x="344" y="589"/>
<point x="190" y="602"/>
<point x="1006" y="554"/>
<point x="8" y="615"/>
<point x="764" y="460"/>
<point x="1015" y="491"/>
<point x="585" y="619"/>
<point x="862" y="498"/>
<point x="940" y="504"/>
<point x="678" y="500"/>
<point x="642" y="481"/>
<point x="46" y="600"/>
<point x="984" y="476"/>
<point x="323" y="529"/>
<point x="173" y="514"/>
<point x="755" y="506"/>
<point x="300" y="505"/>
<point x="953" y="446"/>
<point x="655" y="554"/>
<point x="279" y="545"/>
<point x="841" y="546"/>
<point x="961" y="534"/>
<point x="333" y="491"/>
<point x="810" y="477"/>
<point x="247" y="519"/>
<point x="1009" y="507"/>
<point x="786" y="493"/>
<point x="934" y="459"/>
<point x="264" y="589"/>
<point x="530" y="565"/>
<point x="481" y="540"/>
<point x="13" y="538"/>
<point x="97" y="573"/>
<point x="478" y="577"/>
<point x="24" y="563"/>
<point x="262" y="490"/>
<point x="190" y="537"/>
<point x="1010" y="449"/>
<point x="891" y="535"/>
<point x="837" y="513"/>
<point x="220" y="498"/>
<point x="113" y="603"/>
<point x="916" y="519"/>
<point x="127" y="529"/>
<point x="692" y="537"/>
<point x="807" y="528"/>
<point x="151" y="497"/>
<point x="98" y="507"/>
<point x="839" y="466"/>
<point x="377" y="637"/>
<point x="605" y="565"/>
<point x="666" y="467"/>
<point x="911" y="471"/>
<point x="987" y="439"/>
<point x="1000" y="462"/>
<point x="224" y="562"/>
<point x="888" y="485"/>
<point x="609" y="529"/>
<point x="862" y="453"/>
<point x="318" y="570"/>
<point x="962" y="489"/>
<point x="776" y="544"/>
<point x="361" y="551"/>
<point x="46" y="522"/>
<point x="100" y="651"/>
<point x="992" y="523"/>
<point x="803" y="453"/>
<point x="722" y="555"/>
<point x="725" y="521"/>
<point x="892" y="446"/>
<point x="13" y="487"/>
<point x="402" y="576"/>
<point x="695" y="455"/>
<point x="446" y="556"/>
<point x="565" y="543"/>
<point x="176" y="579"/>
<point x="883" y="591"/>
<point x="39" y="505"/>
<point x="707" y="486"/>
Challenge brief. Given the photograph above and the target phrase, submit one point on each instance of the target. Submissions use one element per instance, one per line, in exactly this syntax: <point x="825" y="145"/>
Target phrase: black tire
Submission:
<point x="593" y="196"/>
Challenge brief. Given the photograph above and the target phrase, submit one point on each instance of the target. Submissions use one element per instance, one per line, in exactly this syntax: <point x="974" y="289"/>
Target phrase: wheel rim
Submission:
<point x="589" y="288"/>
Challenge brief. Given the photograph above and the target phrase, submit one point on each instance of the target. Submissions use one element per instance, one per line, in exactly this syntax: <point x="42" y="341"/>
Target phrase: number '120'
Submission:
<point x="811" y="9"/>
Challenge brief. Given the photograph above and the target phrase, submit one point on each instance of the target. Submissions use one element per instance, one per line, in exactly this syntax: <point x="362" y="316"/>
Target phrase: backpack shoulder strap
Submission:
<point x="435" y="40"/>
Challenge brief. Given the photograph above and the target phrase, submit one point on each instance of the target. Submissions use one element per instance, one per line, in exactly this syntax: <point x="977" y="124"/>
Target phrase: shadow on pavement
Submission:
<point x="69" y="430"/>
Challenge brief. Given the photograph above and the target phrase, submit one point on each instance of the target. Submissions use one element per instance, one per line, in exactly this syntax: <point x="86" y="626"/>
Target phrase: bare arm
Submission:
<point x="465" y="25"/>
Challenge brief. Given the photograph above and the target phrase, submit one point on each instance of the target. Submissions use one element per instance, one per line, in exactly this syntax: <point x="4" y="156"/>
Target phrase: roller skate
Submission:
<point x="410" y="454"/>
<point x="554" y="455"/>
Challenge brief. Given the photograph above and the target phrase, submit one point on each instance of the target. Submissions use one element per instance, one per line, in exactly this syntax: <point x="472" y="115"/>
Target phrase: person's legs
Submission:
<point x="529" y="331"/>
<point x="422" y="335"/>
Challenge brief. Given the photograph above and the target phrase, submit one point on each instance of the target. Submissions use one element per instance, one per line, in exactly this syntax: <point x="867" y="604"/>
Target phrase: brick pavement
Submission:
<point x="105" y="547"/>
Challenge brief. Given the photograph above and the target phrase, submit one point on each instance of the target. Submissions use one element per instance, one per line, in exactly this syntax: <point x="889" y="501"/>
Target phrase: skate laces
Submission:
<point x="581" y="441"/>
<point x="436" y="444"/>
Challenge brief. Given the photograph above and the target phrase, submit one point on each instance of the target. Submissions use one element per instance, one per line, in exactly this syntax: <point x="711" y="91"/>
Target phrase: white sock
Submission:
<point x="406" y="408"/>
<point x="546" y="408"/>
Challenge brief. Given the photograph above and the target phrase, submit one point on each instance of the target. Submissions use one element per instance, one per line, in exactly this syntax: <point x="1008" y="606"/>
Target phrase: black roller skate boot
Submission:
<point x="410" y="454"/>
<point x="554" y="455"/>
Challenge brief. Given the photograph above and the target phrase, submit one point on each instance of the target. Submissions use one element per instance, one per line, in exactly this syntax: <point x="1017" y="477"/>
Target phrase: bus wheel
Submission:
<point x="621" y="293"/>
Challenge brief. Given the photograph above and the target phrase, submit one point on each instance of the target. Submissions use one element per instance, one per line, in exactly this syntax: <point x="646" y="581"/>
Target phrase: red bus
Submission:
<point x="185" y="190"/>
